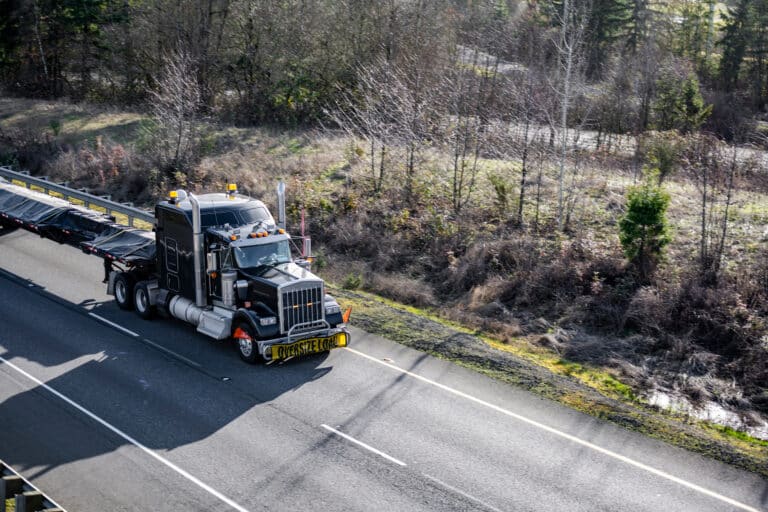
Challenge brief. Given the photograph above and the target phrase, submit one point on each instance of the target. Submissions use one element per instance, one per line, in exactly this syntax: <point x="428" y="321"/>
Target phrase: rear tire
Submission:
<point x="248" y="349"/>
<point x="141" y="301"/>
<point x="124" y="291"/>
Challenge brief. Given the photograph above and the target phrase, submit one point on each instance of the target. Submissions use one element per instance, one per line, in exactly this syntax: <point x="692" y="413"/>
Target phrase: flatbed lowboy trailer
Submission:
<point x="218" y="261"/>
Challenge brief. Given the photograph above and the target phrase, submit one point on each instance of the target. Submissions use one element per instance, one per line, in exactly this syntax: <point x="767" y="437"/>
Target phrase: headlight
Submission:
<point x="332" y="309"/>
<point x="269" y="320"/>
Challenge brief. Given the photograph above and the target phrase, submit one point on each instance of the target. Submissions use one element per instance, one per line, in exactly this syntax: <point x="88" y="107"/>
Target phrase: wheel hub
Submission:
<point x="120" y="291"/>
<point x="141" y="301"/>
<point x="246" y="346"/>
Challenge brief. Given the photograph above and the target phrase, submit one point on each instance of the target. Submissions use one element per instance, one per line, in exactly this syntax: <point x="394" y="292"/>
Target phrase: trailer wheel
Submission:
<point x="246" y="344"/>
<point x="124" y="291"/>
<point x="141" y="301"/>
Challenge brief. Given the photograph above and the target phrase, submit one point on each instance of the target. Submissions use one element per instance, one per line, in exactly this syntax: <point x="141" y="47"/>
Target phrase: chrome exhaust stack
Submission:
<point x="281" y="204"/>
<point x="197" y="252"/>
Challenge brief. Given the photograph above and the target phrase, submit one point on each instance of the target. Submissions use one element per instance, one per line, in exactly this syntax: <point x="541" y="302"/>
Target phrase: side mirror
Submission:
<point x="212" y="262"/>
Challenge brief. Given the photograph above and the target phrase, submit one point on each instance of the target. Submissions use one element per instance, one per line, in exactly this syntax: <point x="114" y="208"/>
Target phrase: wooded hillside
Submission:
<point x="628" y="61"/>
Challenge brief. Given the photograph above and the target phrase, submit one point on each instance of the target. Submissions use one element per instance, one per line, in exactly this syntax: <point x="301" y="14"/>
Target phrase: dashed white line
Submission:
<point x="113" y="324"/>
<point x="459" y="491"/>
<point x="128" y="438"/>
<point x="564" y="435"/>
<point x="366" y="446"/>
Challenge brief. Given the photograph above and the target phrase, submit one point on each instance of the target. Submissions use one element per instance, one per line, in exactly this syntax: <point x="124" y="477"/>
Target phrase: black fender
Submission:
<point x="262" y="331"/>
<point x="334" y="319"/>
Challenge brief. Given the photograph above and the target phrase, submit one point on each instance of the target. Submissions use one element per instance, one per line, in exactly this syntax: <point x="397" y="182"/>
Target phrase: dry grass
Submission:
<point x="570" y="294"/>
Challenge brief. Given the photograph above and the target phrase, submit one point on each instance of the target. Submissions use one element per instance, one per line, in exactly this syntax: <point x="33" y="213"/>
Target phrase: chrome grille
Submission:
<point x="302" y="303"/>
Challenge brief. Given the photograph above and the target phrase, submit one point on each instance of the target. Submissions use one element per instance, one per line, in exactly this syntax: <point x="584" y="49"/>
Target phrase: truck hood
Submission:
<point x="281" y="274"/>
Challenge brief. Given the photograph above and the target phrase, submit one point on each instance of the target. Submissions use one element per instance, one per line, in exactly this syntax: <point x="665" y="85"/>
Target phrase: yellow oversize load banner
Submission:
<point x="309" y="346"/>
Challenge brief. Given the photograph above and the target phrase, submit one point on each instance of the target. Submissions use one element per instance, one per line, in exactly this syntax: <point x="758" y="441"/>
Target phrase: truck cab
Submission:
<point x="224" y="265"/>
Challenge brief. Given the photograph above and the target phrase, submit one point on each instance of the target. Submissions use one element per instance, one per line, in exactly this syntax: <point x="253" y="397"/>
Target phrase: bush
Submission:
<point x="352" y="282"/>
<point x="644" y="232"/>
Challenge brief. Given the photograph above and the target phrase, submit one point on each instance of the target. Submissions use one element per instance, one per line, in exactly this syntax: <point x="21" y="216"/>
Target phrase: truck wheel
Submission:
<point x="246" y="346"/>
<point x="141" y="301"/>
<point x="124" y="291"/>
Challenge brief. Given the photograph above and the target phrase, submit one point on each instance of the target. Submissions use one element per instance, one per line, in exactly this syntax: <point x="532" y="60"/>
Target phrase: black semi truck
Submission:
<point x="217" y="261"/>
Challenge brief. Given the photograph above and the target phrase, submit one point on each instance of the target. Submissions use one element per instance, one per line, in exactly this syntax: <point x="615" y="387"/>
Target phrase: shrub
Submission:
<point x="352" y="282"/>
<point x="643" y="229"/>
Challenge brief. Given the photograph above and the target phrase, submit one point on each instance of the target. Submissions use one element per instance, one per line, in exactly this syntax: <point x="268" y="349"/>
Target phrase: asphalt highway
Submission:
<point x="105" y="411"/>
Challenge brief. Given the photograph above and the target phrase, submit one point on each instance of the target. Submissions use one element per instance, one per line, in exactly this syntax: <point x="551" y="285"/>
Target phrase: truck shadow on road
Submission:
<point x="130" y="386"/>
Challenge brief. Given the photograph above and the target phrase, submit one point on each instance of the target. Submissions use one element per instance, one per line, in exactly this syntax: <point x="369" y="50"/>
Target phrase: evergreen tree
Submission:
<point x="734" y="44"/>
<point x="638" y="25"/>
<point x="643" y="230"/>
<point x="691" y="34"/>
<point x="607" y="23"/>
<point x="679" y="105"/>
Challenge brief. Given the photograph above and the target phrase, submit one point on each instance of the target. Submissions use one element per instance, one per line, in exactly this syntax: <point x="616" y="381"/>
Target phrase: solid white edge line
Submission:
<point x="128" y="438"/>
<point x="113" y="324"/>
<point x="564" y="435"/>
<point x="462" y="493"/>
<point x="366" y="446"/>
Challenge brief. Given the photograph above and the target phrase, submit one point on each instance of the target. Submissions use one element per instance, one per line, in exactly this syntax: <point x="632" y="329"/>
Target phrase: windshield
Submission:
<point x="253" y="256"/>
<point x="255" y="214"/>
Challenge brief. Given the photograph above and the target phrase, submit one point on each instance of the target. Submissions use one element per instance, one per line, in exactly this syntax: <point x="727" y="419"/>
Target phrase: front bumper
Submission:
<point x="312" y="342"/>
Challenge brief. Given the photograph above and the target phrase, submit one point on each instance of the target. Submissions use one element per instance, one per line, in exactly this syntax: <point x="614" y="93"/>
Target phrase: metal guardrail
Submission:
<point x="25" y="496"/>
<point x="124" y="214"/>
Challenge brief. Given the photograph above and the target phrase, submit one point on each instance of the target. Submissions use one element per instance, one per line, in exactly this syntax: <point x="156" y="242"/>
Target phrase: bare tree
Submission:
<point x="365" y="114"/>
<point x="470" y="85"/>
<point x="175" y="103"/>
<point x="713" y="174"/>
<point x="572" y="22"/>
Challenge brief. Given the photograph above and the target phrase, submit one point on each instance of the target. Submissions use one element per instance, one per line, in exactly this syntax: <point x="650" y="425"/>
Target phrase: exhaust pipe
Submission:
<point x="281" y="204"/>
<point x="197" y="251"/>
<point x="185" y="310"/>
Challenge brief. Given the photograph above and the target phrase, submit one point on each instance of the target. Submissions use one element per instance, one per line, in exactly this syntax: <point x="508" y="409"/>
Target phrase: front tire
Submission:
<point x="141" y="301"/>
<point x="124" y="291"/>
<point x="247" y="347"/>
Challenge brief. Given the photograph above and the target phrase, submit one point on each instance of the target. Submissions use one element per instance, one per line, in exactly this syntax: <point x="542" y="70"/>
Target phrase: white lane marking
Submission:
<point x="551" y="430"/>
<point x="113" y="324"/>
<point x="128" y="438"/>
<point x="171" y="353"/>
<point x="150" y="342"/>
<point x="459" y="491"/>
<point x="366" y="446"/>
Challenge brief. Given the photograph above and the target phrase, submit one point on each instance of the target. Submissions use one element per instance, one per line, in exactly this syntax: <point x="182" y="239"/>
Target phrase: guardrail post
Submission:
<point x="29" y="501"/>
<point x="10" y="486"/>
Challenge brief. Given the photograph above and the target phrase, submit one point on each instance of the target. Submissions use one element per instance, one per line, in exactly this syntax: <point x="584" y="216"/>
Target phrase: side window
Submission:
<point x="171" y="255"/>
